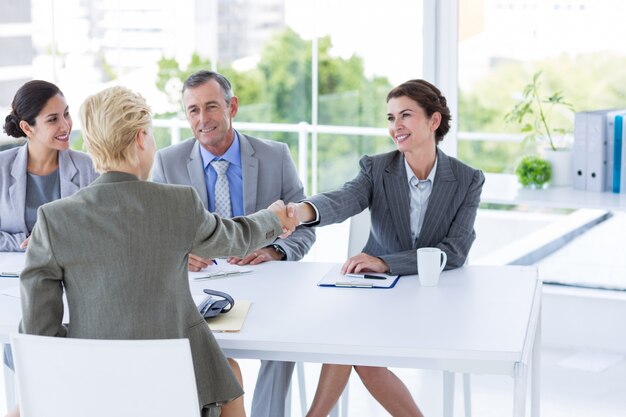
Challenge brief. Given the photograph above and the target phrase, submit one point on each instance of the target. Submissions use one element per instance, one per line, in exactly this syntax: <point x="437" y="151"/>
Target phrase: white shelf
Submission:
<point x="504" y="189"/>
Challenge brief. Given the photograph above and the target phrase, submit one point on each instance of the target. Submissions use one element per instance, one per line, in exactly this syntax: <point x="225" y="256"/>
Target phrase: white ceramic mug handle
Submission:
<point x="444" y="261"/>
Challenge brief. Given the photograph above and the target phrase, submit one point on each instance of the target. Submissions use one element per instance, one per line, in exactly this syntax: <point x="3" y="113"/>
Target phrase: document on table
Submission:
<point x="219" y="271"/>
<point x="231" y="321"/>
<point x="334" y="278"/>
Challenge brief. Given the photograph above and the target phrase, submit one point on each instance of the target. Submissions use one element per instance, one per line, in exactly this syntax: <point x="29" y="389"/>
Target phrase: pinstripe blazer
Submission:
<point x="75" y="172"/>
<point x="269" y="174"/>
<point x="119" y="250"/>
<point x="382" y="186"/>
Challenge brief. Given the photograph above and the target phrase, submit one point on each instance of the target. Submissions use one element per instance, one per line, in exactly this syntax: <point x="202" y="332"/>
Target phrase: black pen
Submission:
<point x="366" y="276"/>
<point x="9" y="275"/>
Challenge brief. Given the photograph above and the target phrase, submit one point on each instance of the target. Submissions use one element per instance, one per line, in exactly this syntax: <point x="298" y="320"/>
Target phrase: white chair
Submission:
<point x="359" y="233"/>
<point x="63" y="377"/>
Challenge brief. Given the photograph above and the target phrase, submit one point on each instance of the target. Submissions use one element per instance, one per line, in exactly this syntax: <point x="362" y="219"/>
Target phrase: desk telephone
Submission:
<point x="215" y="303"/>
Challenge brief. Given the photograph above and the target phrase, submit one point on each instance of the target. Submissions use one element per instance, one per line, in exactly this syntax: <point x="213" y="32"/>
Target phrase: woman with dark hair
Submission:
<point x="44" y="168"/>
<point x="417" y="197"/>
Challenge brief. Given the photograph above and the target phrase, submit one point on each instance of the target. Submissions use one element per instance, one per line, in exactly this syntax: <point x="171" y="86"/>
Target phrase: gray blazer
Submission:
<point x="269" y="174"/>
<point x="75" y="172"/>
<point x="382" y="186"/>
<point x="119" y="248"/>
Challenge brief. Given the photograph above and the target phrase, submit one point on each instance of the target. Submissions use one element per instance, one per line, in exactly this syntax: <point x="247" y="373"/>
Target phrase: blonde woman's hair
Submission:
<point x="111" y="120"/>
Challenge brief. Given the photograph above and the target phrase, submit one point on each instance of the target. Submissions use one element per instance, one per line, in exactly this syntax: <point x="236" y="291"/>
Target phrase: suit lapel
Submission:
<point x="67" y="172"/>
<point x="17" y="190"/>
<point x="397" y="193"/>
<point x="444" y="188"/>
<point x="195" y="169"/>
<point x="249" y="172"/>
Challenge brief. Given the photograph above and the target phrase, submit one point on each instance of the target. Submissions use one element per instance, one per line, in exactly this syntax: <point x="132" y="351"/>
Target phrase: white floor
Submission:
<point x="591" y="390"/>
<point x="586" y="384"/>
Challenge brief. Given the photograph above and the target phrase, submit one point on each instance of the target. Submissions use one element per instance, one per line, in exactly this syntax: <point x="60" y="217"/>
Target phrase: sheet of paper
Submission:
<point x="222" y="270"/>
<point x="334" y="278"/>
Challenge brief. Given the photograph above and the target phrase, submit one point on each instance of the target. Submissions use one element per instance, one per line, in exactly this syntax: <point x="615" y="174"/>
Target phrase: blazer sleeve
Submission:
<point x="41" y="285"/>
<point x="300" y="241"/>
<point x="219" y="237"/>
<point x="352" y="198"/>
<point x="457" y="242"/>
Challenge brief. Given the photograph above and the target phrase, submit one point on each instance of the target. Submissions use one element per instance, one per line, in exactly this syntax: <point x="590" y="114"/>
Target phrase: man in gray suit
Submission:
<point x="119" y="247"/>
<point x="259" y="172"/>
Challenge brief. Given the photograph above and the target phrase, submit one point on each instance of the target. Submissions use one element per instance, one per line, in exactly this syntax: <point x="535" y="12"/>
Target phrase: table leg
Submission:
<point x="519" y="391"/>
<point x="535" y="377"/>
<point x="448" y="394"/>
<point x="467" y="394"/>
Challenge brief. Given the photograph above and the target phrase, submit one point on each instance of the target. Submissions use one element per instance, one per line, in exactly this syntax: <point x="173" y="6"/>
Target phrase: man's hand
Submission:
<point x="197" y="263"/>
<point x="363" y="262"/>
<point x="286" y="217"/>
<point x="257" y="257"/>
<point x="24" y="244"/>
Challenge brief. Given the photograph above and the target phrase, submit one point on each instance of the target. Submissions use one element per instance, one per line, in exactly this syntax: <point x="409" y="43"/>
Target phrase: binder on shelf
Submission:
<point x="616" y="153"/>
<point x="596" y="150"/>
<point x="622" y="158"/>
<point x="613" y="155"/>
<point x="579" y="152"/>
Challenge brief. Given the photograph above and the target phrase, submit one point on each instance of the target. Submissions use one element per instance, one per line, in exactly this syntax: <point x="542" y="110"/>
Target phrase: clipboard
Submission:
<point x="334" y="278"/>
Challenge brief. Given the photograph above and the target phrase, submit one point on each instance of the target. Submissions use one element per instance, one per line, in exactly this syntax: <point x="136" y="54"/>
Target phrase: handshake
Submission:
<point x="292" y="215"/>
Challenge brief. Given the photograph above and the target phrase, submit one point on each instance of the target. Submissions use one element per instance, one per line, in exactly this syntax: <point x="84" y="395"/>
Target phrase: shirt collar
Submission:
<point x="412" y="179"/>
<point x="232" y="154"/>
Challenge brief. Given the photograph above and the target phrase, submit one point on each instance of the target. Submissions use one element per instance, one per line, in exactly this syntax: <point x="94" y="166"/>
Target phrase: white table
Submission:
<point x="482" y="320"/>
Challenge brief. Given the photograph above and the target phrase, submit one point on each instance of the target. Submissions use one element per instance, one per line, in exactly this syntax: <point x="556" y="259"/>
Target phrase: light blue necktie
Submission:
<point x="222" y="191"/>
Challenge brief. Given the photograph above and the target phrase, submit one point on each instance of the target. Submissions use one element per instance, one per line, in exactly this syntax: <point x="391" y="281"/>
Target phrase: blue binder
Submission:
<point x="617" y="153"/>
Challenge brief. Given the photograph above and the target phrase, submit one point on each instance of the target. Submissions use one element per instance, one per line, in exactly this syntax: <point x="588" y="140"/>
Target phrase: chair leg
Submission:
<point x="467" y="394"/>
<point x="302" y="388"/>
<point x="288" y="401"/>
<point x="448" y="393"/>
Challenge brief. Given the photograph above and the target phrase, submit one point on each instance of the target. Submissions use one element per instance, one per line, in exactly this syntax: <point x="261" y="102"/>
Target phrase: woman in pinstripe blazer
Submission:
<point x="42" y="170"/>
<point x="418" y="197"/>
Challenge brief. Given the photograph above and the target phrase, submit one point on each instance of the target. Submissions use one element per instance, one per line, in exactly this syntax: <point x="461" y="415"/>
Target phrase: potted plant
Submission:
<point x="533" y="171"/>
<point x="548" y="119"/>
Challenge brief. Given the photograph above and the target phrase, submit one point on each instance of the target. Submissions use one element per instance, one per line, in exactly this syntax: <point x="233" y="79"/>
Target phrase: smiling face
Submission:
<point x="211" y="116"/>
<point x="52" y="126"/>
<point x="409" y="126"/>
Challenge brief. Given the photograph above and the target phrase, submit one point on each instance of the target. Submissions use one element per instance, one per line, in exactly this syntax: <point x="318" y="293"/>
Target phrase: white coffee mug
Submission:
<point x="430" y="263"/>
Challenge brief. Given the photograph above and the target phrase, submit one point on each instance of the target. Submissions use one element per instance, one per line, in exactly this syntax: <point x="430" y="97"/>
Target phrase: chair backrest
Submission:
<point x="359" y="232"/>
<point x="102" y="378"/>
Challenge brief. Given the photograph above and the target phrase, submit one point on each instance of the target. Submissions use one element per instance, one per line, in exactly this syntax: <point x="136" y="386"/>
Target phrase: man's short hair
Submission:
<point x="203" y="76"/>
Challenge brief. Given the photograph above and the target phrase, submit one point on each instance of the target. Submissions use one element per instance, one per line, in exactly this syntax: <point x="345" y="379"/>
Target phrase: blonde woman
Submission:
<point x="125" y="242"/>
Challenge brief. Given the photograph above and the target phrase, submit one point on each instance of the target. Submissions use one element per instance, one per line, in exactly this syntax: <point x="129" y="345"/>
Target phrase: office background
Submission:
<point x="315" y="74"/>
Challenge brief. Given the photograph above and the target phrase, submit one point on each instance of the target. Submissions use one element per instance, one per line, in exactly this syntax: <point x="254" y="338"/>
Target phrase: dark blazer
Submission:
<point x="268" y="171"/>
<point x="75" y="172"/>
<point x="382" y="186"/>
<point x="119" y="248"/>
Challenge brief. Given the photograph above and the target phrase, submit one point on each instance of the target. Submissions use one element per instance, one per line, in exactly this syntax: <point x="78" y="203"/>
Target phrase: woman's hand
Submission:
<point x="364" y="263"/>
